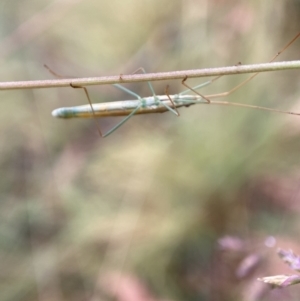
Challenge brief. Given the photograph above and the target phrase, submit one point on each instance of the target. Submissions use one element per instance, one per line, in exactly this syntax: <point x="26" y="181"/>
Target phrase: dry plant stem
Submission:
<point x="105" y="80"/>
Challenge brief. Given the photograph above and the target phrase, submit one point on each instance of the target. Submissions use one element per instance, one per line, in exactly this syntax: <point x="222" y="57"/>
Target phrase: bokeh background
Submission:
<point x="166" y="208"/>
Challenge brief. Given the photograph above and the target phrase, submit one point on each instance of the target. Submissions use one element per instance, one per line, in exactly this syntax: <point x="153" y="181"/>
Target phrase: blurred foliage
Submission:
<point x="138" y="215"/>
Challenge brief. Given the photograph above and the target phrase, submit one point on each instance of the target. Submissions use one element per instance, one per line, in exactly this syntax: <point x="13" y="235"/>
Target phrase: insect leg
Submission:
<point x="255" y="74"/>
<point x="173" y="110"/>
<point x="87" y="95"/>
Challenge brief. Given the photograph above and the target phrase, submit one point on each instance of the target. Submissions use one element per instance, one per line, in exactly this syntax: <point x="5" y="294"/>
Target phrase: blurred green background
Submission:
<point x="165" y="208"/>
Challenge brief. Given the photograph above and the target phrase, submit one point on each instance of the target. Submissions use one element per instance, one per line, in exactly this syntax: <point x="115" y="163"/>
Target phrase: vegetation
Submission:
<point x="165" y="208"/>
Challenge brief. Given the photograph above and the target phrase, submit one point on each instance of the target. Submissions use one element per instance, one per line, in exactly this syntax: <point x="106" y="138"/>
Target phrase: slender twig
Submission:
<point x="104" y="80"/>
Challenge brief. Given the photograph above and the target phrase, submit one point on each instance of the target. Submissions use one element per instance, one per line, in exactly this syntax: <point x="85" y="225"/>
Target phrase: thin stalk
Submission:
<point x="120" y="79"/>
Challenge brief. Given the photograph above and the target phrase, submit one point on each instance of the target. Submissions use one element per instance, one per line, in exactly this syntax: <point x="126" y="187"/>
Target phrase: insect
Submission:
<point x="156" y="103"/>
